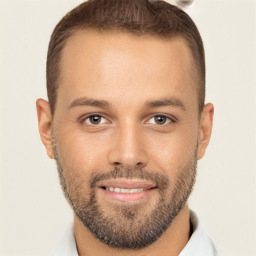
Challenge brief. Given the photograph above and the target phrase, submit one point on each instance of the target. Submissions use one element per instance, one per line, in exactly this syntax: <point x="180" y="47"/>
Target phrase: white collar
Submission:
<point x="66" y="245"/>
<point x="199" y="243"/>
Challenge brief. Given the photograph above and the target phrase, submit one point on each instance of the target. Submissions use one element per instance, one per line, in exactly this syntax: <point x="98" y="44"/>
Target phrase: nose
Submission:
<point x="127" y="149"/>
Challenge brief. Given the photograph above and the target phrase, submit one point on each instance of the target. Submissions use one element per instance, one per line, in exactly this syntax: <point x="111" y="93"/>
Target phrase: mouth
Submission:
<point x="124" y="190"/>
<point x="127" y="190"/>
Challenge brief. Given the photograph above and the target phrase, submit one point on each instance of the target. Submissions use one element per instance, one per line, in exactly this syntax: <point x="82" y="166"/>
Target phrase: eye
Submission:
<point x="160" y="120"/>
<point x="95" y="120"/>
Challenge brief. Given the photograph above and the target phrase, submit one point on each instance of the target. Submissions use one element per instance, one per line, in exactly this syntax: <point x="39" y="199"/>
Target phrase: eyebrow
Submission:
<point x="173" y="102"/>
<point x="89" y="102"/>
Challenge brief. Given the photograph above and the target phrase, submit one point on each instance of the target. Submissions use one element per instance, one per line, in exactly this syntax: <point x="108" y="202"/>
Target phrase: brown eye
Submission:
<point x="95" y="120"/>
<point x="160" y="119"/>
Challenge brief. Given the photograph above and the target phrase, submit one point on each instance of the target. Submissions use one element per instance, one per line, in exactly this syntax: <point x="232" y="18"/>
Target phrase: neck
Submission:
<point x="170" y="243"/>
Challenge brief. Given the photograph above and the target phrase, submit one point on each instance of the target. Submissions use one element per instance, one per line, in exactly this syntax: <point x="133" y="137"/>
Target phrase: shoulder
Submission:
<point x="222" y="253"/>
<point x="200" y="243"/>
<point x="66" y="245"/>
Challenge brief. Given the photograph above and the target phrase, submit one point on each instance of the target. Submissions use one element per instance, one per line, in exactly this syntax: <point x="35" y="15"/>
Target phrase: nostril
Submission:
<point x="140" y="165"/>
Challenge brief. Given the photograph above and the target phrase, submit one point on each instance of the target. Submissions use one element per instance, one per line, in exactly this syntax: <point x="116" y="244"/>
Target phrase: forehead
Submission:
<point x="111" y="65"/>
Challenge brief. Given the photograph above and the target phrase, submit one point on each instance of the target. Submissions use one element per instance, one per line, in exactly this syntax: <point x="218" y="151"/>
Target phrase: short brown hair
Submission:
<point x="138" y="17"/>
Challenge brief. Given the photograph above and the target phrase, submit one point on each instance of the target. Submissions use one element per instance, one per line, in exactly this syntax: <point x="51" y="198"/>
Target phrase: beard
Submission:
<point x="127" y="226"/>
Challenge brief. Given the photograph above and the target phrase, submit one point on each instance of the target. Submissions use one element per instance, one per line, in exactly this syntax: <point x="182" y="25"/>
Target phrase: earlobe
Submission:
<point x="205" y="130"/>
<point x="44" y="117"/>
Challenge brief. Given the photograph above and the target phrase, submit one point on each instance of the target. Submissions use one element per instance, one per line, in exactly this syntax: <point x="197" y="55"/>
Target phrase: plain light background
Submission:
<point x="33" y="210"/>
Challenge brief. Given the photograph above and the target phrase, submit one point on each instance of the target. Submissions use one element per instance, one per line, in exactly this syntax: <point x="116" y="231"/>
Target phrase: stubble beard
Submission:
<point x="127" y="227"/>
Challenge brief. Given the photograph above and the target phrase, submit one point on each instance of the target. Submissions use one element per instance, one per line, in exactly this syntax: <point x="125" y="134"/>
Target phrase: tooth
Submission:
<point x="136" y="190"/>
<point x="124" y="190"/>
<point x="117" y="189"/>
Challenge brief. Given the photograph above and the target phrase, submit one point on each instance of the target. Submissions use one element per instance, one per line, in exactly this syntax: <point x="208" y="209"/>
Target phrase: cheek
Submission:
<point x="171" y="152"/>
<point x="79" y="160"/>
<point x="82" y="151"/>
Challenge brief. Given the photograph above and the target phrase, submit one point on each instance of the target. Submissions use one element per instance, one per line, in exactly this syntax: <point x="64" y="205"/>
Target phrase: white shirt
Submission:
<point x="199" y="243"/>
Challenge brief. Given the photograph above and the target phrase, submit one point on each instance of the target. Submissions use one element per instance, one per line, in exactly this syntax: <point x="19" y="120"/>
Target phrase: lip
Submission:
<point x="148" y="187"/>
<point x="127" y="197"/>
<point x="128" y="184"/>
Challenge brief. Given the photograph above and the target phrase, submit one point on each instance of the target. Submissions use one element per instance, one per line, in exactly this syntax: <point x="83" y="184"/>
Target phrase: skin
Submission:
<point x="127" y="72"/>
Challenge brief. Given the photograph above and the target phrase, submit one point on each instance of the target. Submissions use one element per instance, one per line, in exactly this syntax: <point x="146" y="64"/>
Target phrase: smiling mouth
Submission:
<point x="125" y="190"/>
<point x="126" y="186"/>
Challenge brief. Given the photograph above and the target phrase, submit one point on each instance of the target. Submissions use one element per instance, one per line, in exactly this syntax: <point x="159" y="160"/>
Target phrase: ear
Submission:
<point x="205" y="130"/>
<point x="44" y="117"/>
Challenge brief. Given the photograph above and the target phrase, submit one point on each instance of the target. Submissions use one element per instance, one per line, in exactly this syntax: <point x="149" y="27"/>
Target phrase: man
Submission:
<point x="126" y="123"/>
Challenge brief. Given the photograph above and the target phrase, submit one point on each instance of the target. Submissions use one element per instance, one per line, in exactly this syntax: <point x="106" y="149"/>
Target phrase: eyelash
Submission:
<point x="90" y="116"/>
<point x="172" y="120"/>
<point x="169" y="120"/>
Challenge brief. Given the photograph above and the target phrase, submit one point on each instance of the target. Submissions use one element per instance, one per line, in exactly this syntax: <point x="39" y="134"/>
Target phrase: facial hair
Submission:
<point x="127" y="226"/>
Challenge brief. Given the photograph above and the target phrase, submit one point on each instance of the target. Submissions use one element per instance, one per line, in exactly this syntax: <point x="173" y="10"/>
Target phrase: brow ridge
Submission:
<point x="83" y="101"/>
<point x="175" y="102"/>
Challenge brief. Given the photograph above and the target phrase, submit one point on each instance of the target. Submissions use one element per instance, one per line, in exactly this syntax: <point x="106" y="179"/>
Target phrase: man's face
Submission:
<point x="125" y="133"/>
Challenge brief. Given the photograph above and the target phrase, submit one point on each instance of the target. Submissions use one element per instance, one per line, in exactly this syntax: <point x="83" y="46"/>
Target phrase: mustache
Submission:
<point x="160" y="180"/>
